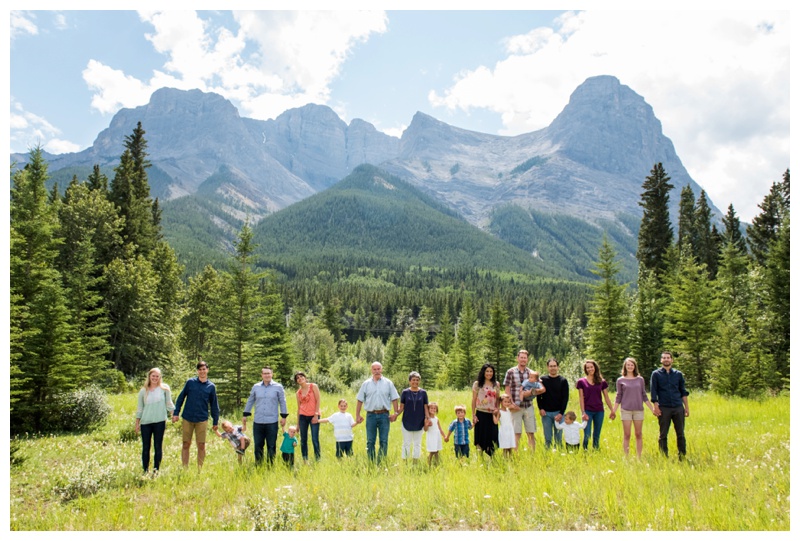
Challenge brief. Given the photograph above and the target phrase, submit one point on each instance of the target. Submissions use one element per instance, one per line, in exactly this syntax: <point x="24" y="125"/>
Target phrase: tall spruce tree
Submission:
<point x="42" y="359"/>
<point x="647" y="325"/>
<point x="469" y="350"/>
<point x="777" y="280"/>
<point x="764" y="229"/>
<point x="500" y="343"/>
<point x="690" y="320"/>
<point x="235" y="354"/>
<point x="686" y="219"/>
<point x="733" y="230"/>
<point x="608" y="325"/>
<point x="707" y="248"/>
<point x="655" y="232"/>
<point x="198" y="322"/>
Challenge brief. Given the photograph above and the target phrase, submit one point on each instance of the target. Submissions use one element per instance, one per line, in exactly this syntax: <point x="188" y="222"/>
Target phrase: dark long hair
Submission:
<point x="598" y="376"/>
<point x="482" y="374"/>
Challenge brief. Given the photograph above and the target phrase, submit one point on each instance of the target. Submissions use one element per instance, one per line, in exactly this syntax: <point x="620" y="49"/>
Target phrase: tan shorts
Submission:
<point x="526" y="416"/>
<point x="199" y="429"/>
<point x="631" y="415"/>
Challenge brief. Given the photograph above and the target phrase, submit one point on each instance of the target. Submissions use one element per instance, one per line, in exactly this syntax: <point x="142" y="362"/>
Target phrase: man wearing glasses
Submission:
<point x="199" y="394"/>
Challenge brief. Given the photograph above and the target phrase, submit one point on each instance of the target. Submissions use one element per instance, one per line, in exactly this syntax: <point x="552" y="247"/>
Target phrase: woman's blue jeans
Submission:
<point x="305" y="422"/>
<point x="593" y="427"/>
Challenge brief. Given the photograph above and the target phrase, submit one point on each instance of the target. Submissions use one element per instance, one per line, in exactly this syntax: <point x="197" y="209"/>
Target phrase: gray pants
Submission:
<point x="678" y="417"/>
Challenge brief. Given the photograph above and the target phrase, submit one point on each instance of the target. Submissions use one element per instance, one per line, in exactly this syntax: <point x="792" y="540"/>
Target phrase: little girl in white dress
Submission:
<point x="505" y="434"/>
<point x="433" y="439"/>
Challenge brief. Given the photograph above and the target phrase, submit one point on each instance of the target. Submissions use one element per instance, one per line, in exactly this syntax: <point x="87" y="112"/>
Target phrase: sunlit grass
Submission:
<point x="736" y="477"/>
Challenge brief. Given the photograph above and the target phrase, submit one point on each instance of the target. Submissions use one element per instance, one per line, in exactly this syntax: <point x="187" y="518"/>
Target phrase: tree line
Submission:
<point x="98" y="297"/>
<point x="717" y="299"/>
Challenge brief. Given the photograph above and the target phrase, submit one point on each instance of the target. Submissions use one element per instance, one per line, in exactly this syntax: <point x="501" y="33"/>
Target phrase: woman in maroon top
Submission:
<point x="592" y="390"/>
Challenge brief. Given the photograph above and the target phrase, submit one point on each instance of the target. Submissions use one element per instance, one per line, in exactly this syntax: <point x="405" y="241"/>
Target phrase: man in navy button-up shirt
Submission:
<point x="269" y="399"/>
<point x="199" y="394"/>
<point x="670" y="402"/>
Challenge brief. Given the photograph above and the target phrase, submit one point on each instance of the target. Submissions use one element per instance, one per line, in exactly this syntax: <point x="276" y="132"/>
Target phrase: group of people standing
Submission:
<point x="498" y="418"/>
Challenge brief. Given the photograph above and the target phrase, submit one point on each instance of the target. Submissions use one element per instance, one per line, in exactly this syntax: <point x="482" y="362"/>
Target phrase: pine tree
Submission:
<point x="86" y="219"/>
<point x="733" y="230"/>
<point x="97" y="181"/>
<point x="446" y="335"/>
<point x="237" y="336"/>
<point x="764" y="229"/>
<point x="686" y="219"/>
<point x="469" y="350"/>
<point x="275" y="345"/>
<point x="777" y="280"/>
<point x="690" y="319"/>
<point x="706" y="249"/>
<point x="499" y="341"/>
<point x="608" y="324"/>
<point x="655" y="233"/>
<point x="647" y="327"/>
<point x="203" y="299"/>
<point x="42" y="338"/>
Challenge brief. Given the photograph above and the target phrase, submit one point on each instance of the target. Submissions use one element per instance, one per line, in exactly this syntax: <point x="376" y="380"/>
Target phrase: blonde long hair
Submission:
<point x="146" y="385"/>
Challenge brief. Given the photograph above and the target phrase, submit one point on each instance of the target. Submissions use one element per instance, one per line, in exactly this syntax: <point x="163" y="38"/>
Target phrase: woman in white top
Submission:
<point x="153" y="407"/>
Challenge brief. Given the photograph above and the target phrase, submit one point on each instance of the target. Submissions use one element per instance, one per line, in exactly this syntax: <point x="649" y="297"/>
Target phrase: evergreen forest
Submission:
<point x="99" y="295"/>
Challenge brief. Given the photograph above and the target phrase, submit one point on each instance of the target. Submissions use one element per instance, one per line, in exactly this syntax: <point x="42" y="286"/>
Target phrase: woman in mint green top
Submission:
<point x="153" y="407"/>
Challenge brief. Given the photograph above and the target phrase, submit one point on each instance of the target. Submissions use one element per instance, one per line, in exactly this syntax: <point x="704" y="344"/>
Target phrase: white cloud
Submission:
<point x="711" y="77"/>
<point x="29" y="130"/>
<point x="22" y="23"/>
<point x="292" y="60"/>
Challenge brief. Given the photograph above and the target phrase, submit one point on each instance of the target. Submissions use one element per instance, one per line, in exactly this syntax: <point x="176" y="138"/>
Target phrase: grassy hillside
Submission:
<point x="372" y="218"/>
<point x="727" y="482"/>
<point x="568" y="242"/>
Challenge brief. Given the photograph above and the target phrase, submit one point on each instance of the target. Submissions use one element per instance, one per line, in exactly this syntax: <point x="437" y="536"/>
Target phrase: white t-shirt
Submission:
<point x="342" y="426"/>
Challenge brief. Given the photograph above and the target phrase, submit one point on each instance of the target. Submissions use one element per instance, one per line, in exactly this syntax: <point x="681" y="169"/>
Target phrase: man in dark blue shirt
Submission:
<point x="670" y="402"/>
<point x="199" y="393"/>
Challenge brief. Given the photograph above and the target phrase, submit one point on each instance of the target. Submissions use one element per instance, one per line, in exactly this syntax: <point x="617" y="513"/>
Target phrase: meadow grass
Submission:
<point x="736" y="477"/>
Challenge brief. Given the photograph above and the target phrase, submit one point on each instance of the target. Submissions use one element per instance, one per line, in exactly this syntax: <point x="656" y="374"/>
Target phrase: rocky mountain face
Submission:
<point x="589" y="163"/>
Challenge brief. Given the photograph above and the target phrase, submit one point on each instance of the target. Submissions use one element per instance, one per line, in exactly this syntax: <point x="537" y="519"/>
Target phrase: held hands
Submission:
<point x="393" y="417"/>
<point x="174" y="418"/>
<point x="474" y="419"/>
<point x="359" y="419"/>
<point x="612" y="415"/>
<point x="542" y="413"/>
<point x="559" y="417"/>
<point x="584" y="417"/>
<point x="656" y="411"/>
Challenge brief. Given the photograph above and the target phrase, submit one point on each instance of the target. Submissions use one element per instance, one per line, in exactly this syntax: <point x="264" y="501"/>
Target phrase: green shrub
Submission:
<point x="85" y="481"/>
<point x="128" y="434"/>
<point x="78" y="410"/>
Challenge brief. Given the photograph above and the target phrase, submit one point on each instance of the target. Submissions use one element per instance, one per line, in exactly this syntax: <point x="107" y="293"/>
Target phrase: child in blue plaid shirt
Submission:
<point x="461" y="427"/>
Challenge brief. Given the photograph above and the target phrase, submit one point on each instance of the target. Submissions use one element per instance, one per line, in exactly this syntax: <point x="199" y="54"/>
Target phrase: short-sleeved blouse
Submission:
<point x="307" y="405"/>
<point x="487" y="396"/>
<point x="592" y="394"/>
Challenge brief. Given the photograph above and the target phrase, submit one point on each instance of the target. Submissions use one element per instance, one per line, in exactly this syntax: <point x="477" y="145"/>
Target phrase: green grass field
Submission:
<point x="736" y="477"/>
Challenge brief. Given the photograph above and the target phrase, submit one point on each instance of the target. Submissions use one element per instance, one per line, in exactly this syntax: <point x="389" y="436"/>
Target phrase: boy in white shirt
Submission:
<point x="572" y="430"/>
<point x="343" y="424"/>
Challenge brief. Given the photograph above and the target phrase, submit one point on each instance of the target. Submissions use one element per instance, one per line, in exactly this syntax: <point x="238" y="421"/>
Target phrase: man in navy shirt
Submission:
<point x="670" y="402"/>
<point x="199" y="393"/>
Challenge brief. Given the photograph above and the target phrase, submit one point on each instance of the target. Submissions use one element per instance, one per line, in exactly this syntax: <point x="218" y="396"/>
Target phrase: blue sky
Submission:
<point x="717" y="80"/>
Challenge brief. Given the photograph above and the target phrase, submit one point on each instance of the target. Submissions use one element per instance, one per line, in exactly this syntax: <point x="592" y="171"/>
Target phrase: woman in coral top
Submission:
<point x="307" y="411"/>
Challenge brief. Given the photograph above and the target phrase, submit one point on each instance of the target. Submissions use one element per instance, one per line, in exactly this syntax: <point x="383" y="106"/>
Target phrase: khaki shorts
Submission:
<point x="526" y="416"/>
<point x="631" y="415"/>
<point x="199" y="429"/>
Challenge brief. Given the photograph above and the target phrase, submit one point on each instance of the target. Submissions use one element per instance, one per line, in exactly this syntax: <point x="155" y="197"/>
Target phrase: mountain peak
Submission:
<point x="607" y="125"/>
